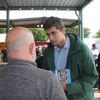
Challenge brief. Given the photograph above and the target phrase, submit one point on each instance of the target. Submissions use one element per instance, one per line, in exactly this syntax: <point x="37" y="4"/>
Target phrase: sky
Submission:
<point x="91" y="16"/>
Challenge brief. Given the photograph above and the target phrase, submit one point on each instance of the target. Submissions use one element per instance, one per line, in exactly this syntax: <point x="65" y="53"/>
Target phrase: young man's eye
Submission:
<point x="53" y="33"/>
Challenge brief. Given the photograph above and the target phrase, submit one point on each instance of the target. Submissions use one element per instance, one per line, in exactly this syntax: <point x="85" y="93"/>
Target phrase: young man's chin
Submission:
<point x="54" y="44"/>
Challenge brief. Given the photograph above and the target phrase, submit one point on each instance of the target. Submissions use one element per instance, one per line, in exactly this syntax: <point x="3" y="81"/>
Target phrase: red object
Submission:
<point x="42" y="43"/>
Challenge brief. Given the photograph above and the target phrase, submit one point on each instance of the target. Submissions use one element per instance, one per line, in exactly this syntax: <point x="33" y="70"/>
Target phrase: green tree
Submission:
<point x="86" y="32"/>
<point x="2" y="30"/>
<point x="75" y="30"/>
<point x="39" y="34"/>
<point x="97" y="34"/>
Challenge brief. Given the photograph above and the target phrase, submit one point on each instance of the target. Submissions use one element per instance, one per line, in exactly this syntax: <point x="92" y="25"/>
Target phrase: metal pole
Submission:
<point x="7" y="22"/>
<point x="77" y="14"/>
<point x="81" y="25"/>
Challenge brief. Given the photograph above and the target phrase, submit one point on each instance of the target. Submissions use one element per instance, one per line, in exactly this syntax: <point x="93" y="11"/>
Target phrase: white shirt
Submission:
<point x="95" y="53"/>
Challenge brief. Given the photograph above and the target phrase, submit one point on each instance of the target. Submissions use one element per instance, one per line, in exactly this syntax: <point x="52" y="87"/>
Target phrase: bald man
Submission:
<point x="20" y="79"/>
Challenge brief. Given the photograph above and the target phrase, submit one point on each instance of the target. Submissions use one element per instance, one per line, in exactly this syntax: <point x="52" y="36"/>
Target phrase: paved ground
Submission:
<point x="96" y="94"/>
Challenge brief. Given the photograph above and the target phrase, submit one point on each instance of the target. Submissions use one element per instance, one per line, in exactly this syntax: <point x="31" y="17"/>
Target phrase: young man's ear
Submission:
<point x="63" y="30"/>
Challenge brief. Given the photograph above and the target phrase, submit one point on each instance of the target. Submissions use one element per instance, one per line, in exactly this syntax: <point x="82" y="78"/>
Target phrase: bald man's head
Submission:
<point x="18" y="37"/>
<point x="19" y="40"/>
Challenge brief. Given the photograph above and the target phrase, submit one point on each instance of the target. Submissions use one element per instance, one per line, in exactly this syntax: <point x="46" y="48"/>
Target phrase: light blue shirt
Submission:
<point x="61" y="54"/>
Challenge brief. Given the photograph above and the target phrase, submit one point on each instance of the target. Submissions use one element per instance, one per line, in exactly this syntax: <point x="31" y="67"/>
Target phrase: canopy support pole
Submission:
<point x="81" y="25"/>
<point x="81" y="29"/>
<point x="8" y="22"/>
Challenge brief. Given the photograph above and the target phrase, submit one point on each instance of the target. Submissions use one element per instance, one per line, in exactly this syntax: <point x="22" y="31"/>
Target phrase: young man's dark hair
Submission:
<point x="53" y="21"/>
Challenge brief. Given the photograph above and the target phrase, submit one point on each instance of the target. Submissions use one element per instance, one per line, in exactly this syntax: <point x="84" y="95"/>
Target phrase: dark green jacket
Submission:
<point x="83" y="70"/>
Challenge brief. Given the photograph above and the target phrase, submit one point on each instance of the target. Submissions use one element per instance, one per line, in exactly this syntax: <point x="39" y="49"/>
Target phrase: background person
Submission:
<point x="67" y="51"/>
<point x="95" y="52"/>
<point x="1" y="57"/>
<point x="20" y="79"/>
<point x="4" y="55"/>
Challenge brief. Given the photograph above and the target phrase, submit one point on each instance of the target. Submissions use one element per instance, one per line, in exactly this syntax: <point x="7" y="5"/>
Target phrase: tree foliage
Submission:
<point x="97" y="34"/>
<point x="86" y="32"/>
<point x="75" y="30"/>
<point x="39" y="34"/>
<point x="2" y="30"/>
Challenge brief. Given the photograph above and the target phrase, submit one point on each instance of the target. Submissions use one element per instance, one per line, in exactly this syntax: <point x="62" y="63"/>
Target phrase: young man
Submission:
<point x="68" y="52"/>
<point x="20" y="79"/>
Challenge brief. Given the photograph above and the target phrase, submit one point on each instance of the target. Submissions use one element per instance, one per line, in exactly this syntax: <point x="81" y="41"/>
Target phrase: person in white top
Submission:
<point x="95" y="52"/>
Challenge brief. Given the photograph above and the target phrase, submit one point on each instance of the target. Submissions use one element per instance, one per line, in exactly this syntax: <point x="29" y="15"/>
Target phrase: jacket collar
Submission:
<point x="20" y="61"/>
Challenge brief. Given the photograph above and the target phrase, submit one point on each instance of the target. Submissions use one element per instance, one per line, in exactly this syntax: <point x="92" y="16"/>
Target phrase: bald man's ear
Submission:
<point x="32" y="48"/>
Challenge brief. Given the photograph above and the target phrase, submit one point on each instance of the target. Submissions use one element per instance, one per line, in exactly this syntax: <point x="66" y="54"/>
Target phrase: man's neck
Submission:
<point x="62" y="43"/>
<point x="21" y="55"/>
